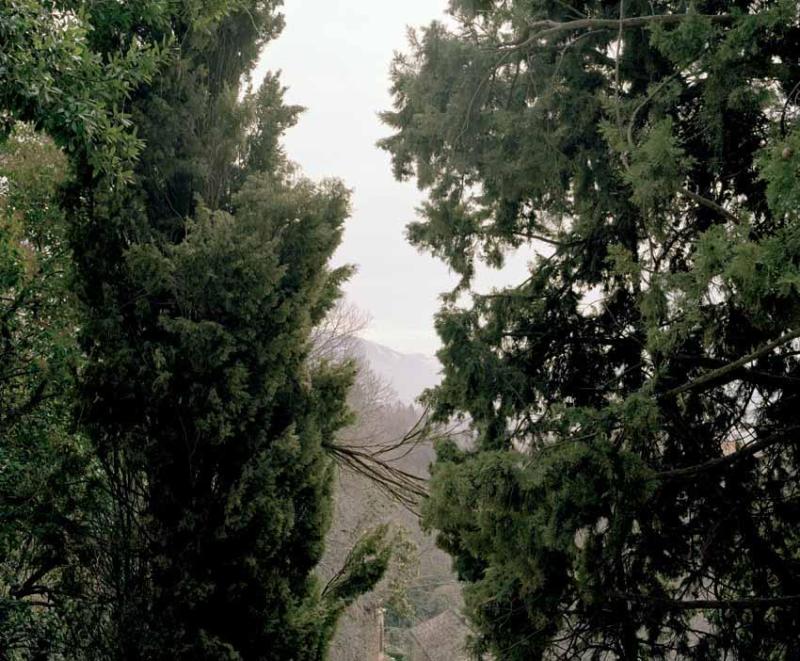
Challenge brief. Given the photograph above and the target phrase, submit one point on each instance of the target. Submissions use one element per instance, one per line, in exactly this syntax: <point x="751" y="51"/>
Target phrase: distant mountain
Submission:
<point x="407" y="373"/>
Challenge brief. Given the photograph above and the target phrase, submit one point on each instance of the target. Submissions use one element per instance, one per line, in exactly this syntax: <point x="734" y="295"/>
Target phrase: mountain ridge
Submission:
<point x="408" y="374"/>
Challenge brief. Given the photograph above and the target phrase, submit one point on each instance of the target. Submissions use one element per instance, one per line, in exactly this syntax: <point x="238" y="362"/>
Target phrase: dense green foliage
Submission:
<point x="171" y="499"/>
<point x="51" y="76"/>
<point x="633" y="488"/>
<point x="48" y="486"/>
<point x="167" y="427"/>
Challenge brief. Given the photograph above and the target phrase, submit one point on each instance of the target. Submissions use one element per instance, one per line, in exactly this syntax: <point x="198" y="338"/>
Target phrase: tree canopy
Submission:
<point x="632" y="488"/>
<point x="169" y="418"/>
<point x="197" y="266"/>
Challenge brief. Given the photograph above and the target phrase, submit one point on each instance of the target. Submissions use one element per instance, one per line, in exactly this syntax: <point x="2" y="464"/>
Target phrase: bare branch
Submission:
<point x="404" y="487"/>
<point x="334" y="338"/>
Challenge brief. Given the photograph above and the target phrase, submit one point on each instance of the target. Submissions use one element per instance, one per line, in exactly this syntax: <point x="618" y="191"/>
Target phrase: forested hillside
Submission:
<point x="202" y="458"/>
<point x="387" y="454"/>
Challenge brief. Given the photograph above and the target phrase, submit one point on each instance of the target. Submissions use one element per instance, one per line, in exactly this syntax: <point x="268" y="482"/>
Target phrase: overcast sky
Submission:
<point x="335" y="57"/>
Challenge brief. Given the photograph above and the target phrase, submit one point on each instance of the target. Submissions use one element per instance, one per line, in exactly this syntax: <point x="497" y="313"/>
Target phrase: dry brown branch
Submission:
<point x="404" y="487"/>
<point x="378" y="461"/>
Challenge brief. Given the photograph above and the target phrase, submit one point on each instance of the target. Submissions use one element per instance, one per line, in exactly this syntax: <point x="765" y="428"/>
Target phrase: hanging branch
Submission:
<point x="404" y="487"/>
<point x="791" y="97"/>
<point x="710" y="204"/>
<point x="378" y="462"/>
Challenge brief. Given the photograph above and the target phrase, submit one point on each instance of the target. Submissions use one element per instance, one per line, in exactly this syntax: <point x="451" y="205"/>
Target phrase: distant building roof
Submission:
<point x="441" y="638"/>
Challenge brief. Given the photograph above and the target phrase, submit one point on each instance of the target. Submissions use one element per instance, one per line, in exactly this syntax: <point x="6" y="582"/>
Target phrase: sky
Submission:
<point x="334" y="56"/>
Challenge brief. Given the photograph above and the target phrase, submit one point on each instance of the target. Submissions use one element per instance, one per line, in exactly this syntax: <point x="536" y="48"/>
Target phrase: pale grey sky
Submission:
<point x="335" y="57"/>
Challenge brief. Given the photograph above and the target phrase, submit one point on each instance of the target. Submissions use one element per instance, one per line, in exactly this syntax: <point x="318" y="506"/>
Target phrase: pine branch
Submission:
<point x="754" y="376"/>
<point x="750" y="603"/>
<point x="643" y="104"/>
<point x="714" y="375"/>
<point x="538" y="30"/>
<point x="710" y="204"/>
<point x="31" y="585"/>
<point x="747" y="451"/>
<point x="617" y="85"/>
<point x="37" y="397"/>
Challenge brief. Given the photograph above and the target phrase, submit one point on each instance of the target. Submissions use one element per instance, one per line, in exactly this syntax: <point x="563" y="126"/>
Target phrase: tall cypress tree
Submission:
<point x="214" y="270"/>
<point x="201" y="262"/>
<point x="633" y="487"/>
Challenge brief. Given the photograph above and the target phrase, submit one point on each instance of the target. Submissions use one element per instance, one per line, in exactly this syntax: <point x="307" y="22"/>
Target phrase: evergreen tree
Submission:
<point x="201" y="267"/>
<point x="633" y="488"/>
<point x="214" y="272"/>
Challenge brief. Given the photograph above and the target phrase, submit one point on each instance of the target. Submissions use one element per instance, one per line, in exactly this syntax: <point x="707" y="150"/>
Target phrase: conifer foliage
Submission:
<point x="633" y="489"/>
<point x="200" y="266"/>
